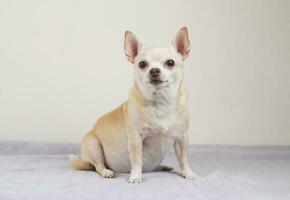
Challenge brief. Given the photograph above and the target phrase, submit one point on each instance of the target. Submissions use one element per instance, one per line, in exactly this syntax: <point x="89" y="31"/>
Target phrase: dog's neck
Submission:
<point x="163" y="96"/>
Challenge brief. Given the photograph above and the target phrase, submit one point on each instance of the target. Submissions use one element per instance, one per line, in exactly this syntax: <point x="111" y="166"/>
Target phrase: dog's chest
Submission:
<point x="158" y="132"/>
<point x="159" y="120"/>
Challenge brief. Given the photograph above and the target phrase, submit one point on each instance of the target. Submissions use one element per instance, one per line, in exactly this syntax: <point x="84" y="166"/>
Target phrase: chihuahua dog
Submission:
<point x="136" y="136"/>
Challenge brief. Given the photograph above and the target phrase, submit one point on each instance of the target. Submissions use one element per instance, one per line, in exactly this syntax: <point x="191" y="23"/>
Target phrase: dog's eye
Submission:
<point x="143" y="64"/>
<point x="170" y="63"/>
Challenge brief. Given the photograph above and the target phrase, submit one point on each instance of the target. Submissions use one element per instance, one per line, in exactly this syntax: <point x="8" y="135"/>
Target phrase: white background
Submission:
<point x="62" y="65"/>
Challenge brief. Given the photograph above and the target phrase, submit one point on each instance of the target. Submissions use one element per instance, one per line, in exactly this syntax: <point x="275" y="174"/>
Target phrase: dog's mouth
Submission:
<point x="157" y="81"/>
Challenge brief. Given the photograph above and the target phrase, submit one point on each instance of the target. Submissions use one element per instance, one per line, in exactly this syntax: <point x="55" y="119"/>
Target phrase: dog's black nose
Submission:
<point x="155" y="72"/>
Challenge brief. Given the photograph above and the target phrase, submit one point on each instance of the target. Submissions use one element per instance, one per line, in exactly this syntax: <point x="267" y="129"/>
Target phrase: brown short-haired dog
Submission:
<point x="136" y="136"/>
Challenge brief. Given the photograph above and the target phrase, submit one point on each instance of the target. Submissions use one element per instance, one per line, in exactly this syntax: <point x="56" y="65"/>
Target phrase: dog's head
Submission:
<point x="156" y="68"/>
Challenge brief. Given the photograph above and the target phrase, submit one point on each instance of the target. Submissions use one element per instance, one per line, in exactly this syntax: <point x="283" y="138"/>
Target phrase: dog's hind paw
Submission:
<point x="107" y="173"/>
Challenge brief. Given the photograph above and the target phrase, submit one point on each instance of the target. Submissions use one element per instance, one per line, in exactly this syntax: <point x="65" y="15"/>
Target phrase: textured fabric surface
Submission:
<point x="41" y="171"/>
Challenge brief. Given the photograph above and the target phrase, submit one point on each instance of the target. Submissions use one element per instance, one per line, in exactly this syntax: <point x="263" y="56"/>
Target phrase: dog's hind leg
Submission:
<point x="91" y="150"/>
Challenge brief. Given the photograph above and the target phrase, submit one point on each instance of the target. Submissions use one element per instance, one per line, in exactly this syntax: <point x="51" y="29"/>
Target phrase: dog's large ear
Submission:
<point x="181" y="42"/>
<point x="131" y="46"/>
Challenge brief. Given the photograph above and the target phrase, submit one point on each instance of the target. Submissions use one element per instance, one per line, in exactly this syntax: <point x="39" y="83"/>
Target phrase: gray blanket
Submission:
<point x="41" y="171"/>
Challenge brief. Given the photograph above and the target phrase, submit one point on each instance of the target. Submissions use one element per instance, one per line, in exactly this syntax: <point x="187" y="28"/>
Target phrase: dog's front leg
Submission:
<point x="181" y="151"/>
<point x="135" y="153"/>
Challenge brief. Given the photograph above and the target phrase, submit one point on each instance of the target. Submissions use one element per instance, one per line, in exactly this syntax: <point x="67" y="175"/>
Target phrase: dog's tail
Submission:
<point x="79" y="164"/>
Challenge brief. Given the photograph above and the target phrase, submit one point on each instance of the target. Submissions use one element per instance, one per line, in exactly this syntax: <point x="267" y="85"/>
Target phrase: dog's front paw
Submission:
<point x="135" y="179"/>
<point x="188" y="174"/>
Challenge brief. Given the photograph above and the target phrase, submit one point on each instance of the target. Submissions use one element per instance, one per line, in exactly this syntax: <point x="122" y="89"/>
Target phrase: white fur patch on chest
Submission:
<point x="166" y="113"/>
<point x="160" y="118"/>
